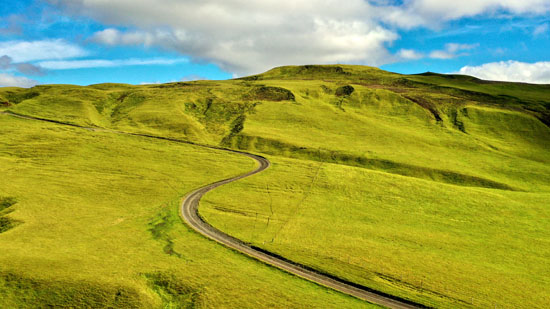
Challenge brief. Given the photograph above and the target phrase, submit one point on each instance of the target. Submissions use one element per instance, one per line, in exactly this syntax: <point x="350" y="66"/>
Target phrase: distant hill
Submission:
<point x="355" y="115"/>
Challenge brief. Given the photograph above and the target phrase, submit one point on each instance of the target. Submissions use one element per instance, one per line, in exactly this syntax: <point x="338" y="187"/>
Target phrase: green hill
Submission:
<point x="430" y="187"/>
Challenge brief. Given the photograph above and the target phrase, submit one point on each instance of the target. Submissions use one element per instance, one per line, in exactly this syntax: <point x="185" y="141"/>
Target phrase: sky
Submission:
<point x="156" y="41"/>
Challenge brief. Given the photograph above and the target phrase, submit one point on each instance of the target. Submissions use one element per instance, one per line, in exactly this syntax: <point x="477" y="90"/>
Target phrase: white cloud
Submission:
<point x="433" y="13"/>
<point x="441" y="54"/>
<point x="8" y="80"/>
<point x="452" y="51"/>
<point x="541" y="29"/>
<point x="499" y="51"/>
<point x="409" y="54"/>
<point x="514" y="71"/>
<point x="101" y="63"/>
<point x="23" y="51"/>
<point x="247" y="36"/>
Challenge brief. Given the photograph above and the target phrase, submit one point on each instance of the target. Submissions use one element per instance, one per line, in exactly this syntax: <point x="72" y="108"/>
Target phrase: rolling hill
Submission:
<point x="430" y="187"/>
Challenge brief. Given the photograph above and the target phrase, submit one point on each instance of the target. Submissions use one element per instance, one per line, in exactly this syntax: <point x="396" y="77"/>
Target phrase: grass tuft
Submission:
<point x="173" y="292"/>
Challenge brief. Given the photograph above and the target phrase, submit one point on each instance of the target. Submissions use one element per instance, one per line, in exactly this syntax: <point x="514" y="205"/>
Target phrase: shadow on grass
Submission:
<point x="274" y="147"/>
<point x="18" y="291"/>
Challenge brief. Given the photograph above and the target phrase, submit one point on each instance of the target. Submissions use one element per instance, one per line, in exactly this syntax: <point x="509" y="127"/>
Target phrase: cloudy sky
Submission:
<point x="149" y="41"/>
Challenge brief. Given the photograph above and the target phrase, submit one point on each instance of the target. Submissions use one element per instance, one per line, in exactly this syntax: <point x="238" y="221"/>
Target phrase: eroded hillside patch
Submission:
<point x="269" y="93"/>
<point x="7" y="223"/>
<point x="160" y="228"/>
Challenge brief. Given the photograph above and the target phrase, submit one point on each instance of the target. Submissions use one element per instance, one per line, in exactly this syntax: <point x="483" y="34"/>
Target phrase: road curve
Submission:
<point x="189" y="213"/>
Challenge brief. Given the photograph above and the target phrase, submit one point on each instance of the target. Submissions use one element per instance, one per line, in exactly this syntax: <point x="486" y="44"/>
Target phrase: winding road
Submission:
<point x="189" y="213"/>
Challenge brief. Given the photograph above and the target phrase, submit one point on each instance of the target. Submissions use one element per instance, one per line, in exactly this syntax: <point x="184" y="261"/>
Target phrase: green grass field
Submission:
<point x="97" y="226"/>
<point x="439" y="244"/>
<point x="431" y="187"/>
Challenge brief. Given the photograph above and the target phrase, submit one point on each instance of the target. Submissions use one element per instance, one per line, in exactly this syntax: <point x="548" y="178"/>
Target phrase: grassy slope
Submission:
<point x="438" y="244"/>
<point x="435" y="243"/>
<point x="99" y="226"/>
<point x="389" y="128"/>
<point x="484" y="145"/>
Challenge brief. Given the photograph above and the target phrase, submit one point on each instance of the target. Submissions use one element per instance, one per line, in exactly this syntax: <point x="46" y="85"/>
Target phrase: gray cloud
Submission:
<point x="6" y="63"/>
<point x="247" y="36"/>
<point x="29" y="69"/>
<point x="251" y="36"/>
<point x="11" y="24"/>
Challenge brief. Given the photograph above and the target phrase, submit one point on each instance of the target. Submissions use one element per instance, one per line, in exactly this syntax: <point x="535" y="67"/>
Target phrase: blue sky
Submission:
<point x="150" y="41"/>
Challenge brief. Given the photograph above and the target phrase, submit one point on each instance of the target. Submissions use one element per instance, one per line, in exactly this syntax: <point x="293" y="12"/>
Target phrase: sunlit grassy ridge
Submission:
<point x="430" y="187"/>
